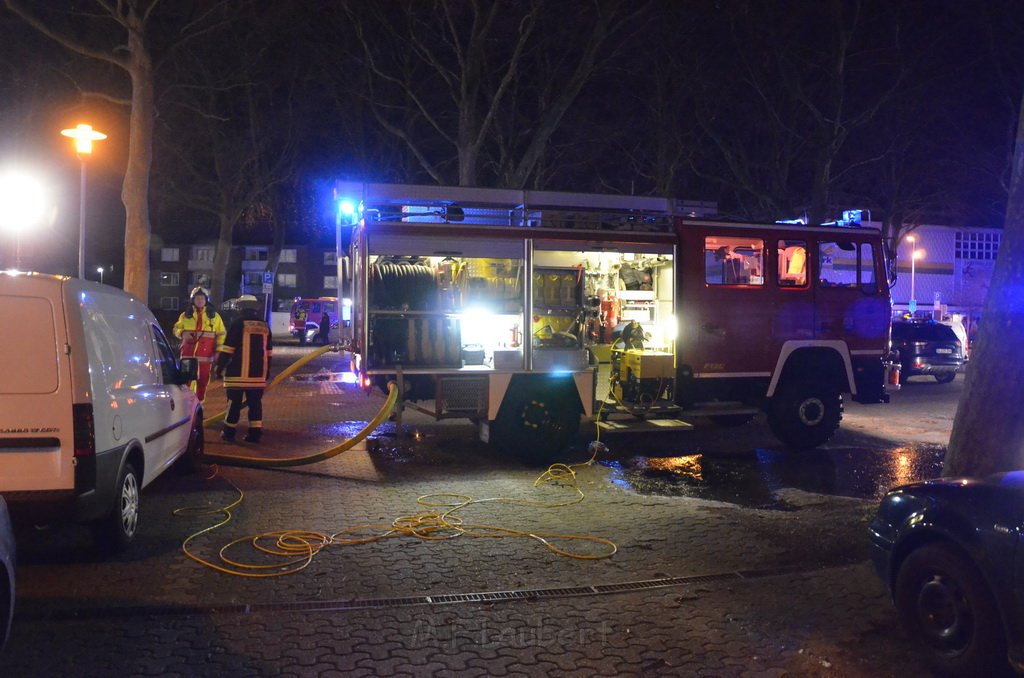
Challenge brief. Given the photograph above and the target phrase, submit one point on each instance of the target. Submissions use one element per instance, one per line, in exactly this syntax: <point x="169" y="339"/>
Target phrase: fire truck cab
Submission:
<point x="523" y="310"/>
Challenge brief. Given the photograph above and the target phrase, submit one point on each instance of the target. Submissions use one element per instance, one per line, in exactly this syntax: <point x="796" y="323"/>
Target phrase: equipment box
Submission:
<point x="508" y="359"/>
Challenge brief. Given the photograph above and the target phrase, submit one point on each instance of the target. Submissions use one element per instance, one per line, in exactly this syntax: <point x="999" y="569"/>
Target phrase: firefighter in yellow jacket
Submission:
<point x="244" y="363"/>
<point x="201" y="331"/>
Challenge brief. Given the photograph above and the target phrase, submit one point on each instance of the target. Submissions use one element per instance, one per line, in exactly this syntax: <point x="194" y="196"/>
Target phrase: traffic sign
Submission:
<point x="268" y="278"/>
<point x="268" y="288"/>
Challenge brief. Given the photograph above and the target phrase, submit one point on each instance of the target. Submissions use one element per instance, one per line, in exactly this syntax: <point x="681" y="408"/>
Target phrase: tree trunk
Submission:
<point x="135" y="189"/>
<point x="221" y="258"/>
<point x="988" y="431"/>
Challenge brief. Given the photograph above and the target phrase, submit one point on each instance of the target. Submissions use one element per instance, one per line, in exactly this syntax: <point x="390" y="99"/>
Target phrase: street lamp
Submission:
<point x="83" y="135"/>
<point x="21" y="205"/>
<point x="99" y="269"/>
<point x="915" y="254"/>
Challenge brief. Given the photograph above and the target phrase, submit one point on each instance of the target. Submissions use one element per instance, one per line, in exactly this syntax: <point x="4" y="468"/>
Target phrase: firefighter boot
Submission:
<point x="228" y="434"/>
<point x="253" y="435"/>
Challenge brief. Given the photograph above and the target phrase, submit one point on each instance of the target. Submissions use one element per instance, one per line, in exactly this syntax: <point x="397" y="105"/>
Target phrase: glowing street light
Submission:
<point x="99" y="269"/>
<point x="22" y="203"/>
<point x="83" y="135"/>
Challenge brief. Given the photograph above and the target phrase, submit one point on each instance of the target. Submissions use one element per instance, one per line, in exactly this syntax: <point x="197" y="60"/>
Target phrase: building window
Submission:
<point x="330" y="258"/>
<point x="169" y="254"/>
<point x="256" y="254"/>
<point x="288" y="256"/>
<point x="977" y="246"/>
<point x="253" y="278"/>
<point x="199" y="279"/>
<point x="169" y="279"/>
<point x="204" y="254"/>
<point x="286" y="280"/>
<point x="733" y="261"/>
<point x="169" y="303"/>
<point x="330" y="282"/>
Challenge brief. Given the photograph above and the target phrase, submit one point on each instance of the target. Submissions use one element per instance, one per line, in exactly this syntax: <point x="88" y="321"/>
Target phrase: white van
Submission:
<point x="93" y="403"/>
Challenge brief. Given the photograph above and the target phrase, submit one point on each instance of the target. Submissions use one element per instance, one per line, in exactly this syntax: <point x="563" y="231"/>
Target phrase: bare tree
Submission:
<point x="119" y="39"/>
<point x="231" y="133"/>
<point x="988" y="431"/>
<point x="441" y="76"/>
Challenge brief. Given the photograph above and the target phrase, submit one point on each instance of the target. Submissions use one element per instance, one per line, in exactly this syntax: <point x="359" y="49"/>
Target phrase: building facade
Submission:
<point x="951" y="271"/>
<point x="175" y="269"/>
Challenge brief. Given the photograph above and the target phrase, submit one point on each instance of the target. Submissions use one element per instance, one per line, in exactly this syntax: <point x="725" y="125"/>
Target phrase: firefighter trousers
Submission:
<point x="253" y="397"/>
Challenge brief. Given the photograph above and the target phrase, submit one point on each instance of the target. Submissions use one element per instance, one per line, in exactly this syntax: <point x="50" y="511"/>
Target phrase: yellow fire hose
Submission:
<point x="266" y="462"/>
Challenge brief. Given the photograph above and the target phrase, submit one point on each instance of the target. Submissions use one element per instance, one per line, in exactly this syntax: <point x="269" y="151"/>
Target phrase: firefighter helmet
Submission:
<point x="197" y="291"/>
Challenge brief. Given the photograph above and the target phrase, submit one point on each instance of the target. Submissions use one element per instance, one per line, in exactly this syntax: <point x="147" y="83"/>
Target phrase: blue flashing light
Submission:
<point x="349" y="212"/>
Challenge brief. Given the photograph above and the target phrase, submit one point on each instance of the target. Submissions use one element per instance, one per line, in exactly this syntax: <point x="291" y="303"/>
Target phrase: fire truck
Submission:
<point x="529" y="312"/>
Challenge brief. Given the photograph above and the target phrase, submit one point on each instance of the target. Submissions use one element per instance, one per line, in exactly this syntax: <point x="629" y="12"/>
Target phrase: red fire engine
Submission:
<point x="523" y="310"/>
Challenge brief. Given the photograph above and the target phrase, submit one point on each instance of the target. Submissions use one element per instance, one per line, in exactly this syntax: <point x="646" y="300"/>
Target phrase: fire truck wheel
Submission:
<point x="536" y="427"/>
<point x="804" y="415"/>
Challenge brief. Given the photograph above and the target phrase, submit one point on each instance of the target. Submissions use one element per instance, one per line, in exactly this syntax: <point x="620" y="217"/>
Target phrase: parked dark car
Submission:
<point x="927" y="347"/>
<point x="6" y="574"/>
<point x="950" y="553"/>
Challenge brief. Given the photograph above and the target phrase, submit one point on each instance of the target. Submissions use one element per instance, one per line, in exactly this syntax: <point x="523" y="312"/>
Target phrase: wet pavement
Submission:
<point x="734" y="559"/>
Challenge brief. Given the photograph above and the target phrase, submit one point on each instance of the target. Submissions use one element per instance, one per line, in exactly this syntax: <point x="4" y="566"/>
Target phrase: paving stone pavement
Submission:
<point x="759" y="592"/>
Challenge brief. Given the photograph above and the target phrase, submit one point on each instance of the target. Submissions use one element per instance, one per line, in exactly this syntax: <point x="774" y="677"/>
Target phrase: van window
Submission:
<point x="117" y="342"/>
<point x="165" y="357"/>
<point x="28" y="361"/>
<point x="842" y="263"/>
<point x="792" y="263"/>
<point x="730" y="260"/>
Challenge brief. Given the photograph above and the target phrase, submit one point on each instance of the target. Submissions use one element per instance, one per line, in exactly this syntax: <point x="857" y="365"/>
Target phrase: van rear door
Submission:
<point x="36" y="424"/>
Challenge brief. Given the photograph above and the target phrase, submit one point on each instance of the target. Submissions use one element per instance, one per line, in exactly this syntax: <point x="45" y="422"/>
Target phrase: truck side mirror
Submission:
<point x="189" y="370"/>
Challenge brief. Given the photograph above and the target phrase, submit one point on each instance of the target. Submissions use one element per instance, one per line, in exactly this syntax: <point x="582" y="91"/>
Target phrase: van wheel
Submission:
<point x="945" y="377"/>
<point x="805" y="414"/>
<point x="192" y="460"/>
<point x="536" y="426"/>
<point x="116" y="531"/>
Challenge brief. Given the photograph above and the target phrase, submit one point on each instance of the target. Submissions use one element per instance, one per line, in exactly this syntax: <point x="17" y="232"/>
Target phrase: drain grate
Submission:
<point x="446" y="599"/>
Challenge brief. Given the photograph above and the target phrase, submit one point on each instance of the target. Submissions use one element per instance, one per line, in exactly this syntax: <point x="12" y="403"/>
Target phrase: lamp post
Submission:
<point x="99" y="269"/>
<point x="21" y="206"/>
<point x="915" y="254"/>
<point x="83" y="135"/>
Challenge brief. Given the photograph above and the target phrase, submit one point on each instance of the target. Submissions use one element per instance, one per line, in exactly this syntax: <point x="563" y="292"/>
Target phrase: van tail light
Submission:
<point x="85" y="431"/>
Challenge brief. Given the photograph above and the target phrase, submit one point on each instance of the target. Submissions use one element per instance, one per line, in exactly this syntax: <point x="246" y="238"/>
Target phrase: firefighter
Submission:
<point x="201" y="331"/>
<point x="300" y="320"/>
<point x="244" y="363"/>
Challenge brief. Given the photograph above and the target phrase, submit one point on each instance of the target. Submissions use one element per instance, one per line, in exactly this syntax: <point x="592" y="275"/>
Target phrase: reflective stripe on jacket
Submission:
<point x="245" y="355"/>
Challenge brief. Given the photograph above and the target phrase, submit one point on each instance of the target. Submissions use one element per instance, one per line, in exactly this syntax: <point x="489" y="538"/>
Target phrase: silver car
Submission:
<point x="6" y="573"/>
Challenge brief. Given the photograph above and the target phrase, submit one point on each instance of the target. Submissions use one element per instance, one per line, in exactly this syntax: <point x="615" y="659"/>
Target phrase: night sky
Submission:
<point x="730" y="101"/>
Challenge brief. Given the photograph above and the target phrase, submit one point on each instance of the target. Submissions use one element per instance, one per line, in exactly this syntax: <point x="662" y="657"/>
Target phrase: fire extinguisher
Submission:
<point x="609" y="316"/>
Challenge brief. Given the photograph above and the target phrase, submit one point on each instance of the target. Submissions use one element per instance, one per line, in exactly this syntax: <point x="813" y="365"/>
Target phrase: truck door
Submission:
<point x="726" y="306"/>
<point x="849" y="301"/>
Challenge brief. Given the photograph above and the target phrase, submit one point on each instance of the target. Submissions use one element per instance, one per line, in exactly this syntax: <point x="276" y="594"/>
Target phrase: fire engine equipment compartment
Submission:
<point x="460" y="312"/>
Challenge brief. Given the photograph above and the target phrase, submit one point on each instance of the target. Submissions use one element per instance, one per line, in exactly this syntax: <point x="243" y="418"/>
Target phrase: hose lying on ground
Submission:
<point x="288" y="371"/>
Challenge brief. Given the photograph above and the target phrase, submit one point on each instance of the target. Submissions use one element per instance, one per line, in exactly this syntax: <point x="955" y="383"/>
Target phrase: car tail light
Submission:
<point x="85" y="431"/>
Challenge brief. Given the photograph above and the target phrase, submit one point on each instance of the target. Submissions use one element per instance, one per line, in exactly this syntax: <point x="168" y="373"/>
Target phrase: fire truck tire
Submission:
<point x="536" y="426"/>
<point x="805" y="414"/>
